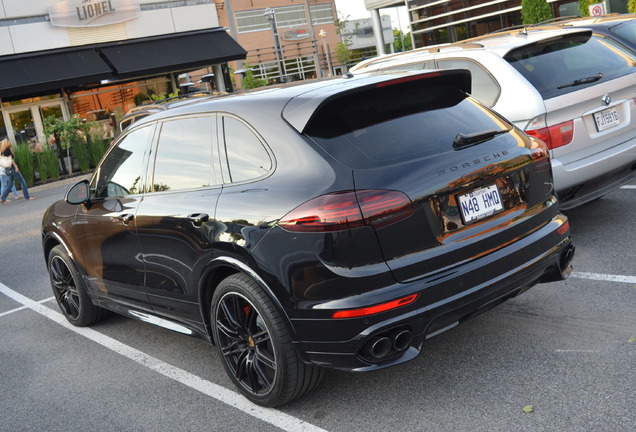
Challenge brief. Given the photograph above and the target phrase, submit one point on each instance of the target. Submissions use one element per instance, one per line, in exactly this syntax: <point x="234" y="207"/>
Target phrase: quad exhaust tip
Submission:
<point x="387" y="344"/>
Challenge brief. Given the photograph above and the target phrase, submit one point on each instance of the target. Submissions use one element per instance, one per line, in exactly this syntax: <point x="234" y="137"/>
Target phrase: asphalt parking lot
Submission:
<point x="561" y="357"/>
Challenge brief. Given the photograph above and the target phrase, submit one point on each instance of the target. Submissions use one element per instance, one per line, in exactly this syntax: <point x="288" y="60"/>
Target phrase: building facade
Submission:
<point x="360" y="37"/>
<point x="442" y="21"/>
<point x="99" y="58"/>
<point x="286" y="40"/>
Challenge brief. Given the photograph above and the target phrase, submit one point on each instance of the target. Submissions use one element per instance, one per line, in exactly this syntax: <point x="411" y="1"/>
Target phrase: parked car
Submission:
<point x="145" y="110"/>
<point x="334" y="224"/>
<point x="618" y="27"/>
<point x="569" y="87"/>
<point x="103" y="123"/>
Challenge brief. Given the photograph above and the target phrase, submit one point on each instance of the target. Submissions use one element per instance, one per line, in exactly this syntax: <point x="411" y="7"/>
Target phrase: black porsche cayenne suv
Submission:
<point x="333" y="224"/>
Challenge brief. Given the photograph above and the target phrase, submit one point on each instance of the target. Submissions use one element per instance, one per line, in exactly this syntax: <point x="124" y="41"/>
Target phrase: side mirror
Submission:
<point x="78" y="194"/>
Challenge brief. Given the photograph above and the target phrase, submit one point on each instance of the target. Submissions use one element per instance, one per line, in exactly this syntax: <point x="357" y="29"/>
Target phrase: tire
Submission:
<point x="255" y="346"/>
<point x="70" y="291"/>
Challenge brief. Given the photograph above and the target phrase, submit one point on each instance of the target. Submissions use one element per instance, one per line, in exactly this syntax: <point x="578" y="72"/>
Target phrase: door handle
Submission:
<point x="198" y="219"/>
<point x="126" y="218"/>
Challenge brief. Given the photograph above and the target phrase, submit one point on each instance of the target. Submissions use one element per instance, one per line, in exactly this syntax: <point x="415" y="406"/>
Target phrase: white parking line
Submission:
<point x="605" y="277"/>
<point x="628" y="187"/>
<point x="23" y="307"/>
<point x="268" y="415"/>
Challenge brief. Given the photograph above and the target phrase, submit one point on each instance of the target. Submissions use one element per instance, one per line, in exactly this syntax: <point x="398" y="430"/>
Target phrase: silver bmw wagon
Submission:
<point x="573" y="89"/>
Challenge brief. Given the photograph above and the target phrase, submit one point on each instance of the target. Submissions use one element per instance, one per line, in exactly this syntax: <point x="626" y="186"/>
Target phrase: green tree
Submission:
<point x="535" y="11"/>
<point x="66" y="132"/>
<point x="344" y="55"/>
<point x="631" y="6"/>
<point x="401" y="41"/>
<point x="249" y="81"/>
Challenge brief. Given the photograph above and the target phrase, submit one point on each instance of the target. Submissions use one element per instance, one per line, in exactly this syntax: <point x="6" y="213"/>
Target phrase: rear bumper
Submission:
<point x="443" y="302"/>
<point x="597" y="187"/>
<point x="585" y="180"/>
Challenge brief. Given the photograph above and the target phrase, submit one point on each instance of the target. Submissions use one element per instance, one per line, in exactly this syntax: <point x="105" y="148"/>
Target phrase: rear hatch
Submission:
<point x="474" y="182"/>
<point x="587" y="83"/>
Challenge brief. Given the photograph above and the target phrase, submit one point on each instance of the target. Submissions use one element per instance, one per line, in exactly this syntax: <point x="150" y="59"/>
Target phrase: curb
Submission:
<point x="63" y="182"/>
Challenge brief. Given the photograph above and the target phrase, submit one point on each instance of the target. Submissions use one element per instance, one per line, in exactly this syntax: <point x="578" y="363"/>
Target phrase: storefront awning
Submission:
<point x="45" y="72"/>
<point x="163" y="54"/>
<point x="49" y="71"/>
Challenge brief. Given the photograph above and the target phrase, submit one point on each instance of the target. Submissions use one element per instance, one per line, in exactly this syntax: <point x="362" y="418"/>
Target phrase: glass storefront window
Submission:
<point x="23" y="127"/>
<point x="108" y="104"/>
<point x="51" y="111"/>
<point x="22" y="121"/>
<point x="29" y="100"/>
<point x="3" y="128"/>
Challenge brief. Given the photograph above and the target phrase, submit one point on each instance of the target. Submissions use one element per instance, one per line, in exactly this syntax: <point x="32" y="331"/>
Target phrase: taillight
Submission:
<point x="355" y="313"/>
<point x="348" y="210"/>
<point x="382" y="208"/>
<point x="540" y="153"/>
<point x="408" y="79"/>
<point x="554" y="136"/>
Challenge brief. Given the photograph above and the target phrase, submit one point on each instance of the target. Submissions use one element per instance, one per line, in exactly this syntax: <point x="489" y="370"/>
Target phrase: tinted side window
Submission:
<point x="484" y="87"/>
<point x="121" y="173"/>
<point x="247" y="158"/>
<point x="184" y="154"/>
<point x="558" y="67"/>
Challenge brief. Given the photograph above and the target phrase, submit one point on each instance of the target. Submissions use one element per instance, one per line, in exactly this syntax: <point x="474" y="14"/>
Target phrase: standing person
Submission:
<point x="14" y="191"/>
<point x="11" y="174"/>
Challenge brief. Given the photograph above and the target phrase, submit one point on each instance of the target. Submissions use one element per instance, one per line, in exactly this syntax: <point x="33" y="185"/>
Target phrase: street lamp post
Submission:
<point x="271" y="17"/>
<point x="323" y="35"/>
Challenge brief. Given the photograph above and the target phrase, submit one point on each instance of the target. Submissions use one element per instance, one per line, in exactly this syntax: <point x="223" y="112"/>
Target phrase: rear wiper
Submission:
<point x="467" y="140"/>
<point x="582" y="81"/>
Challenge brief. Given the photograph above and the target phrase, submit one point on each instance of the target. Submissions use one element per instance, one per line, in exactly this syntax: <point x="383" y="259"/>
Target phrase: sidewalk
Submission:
<point x="54" y="183"/>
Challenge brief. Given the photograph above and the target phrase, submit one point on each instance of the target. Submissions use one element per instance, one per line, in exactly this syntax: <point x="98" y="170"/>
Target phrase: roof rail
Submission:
<point x="555" y="20"/>
<point x="145" y="107"/>
<point x="598" y="19"/>
<point x="525" y="26"/>
<point x="459" y="45"/>
<point x="387" y="57"/>
<point x="183" y="96"/>
<point x="433" y="49"/>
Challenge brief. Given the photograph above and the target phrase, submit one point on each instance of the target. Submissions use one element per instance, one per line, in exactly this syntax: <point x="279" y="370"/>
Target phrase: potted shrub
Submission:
<point x="70" y="134"/>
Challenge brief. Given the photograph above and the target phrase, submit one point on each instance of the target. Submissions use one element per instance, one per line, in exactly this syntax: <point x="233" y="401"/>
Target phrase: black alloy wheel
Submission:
<point x="69" y="290"/>
<point x="255" y="346"/>
<point x="246" y="344"/>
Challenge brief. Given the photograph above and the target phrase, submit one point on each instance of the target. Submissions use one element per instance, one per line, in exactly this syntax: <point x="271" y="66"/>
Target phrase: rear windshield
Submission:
<point x="389" y="126"/>
<point x="560" y="66"/>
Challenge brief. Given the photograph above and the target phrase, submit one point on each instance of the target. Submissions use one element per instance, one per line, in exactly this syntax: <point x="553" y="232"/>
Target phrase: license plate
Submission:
<point x="606" y="119"/>
<point x="480" y="203"/>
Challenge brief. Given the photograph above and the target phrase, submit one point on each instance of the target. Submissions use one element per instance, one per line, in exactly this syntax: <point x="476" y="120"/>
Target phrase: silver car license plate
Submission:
<point x="606" y="119"/>
<point x="480" y="203"/>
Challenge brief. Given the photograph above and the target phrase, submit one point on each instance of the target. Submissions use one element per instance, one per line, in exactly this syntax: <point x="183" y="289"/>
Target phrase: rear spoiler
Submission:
<point x="300" y="110"/>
